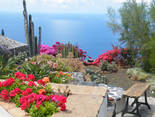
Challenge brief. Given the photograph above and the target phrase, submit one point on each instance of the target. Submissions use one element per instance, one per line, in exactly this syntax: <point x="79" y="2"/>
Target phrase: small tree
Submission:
<point x="137" y="27"/>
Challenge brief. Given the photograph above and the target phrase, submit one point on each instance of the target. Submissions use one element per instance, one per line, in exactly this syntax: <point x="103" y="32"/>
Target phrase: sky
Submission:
<point x="61" y="6"/>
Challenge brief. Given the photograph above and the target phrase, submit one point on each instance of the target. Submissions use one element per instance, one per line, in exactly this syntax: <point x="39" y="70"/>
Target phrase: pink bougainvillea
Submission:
<point x="58" y="47"/>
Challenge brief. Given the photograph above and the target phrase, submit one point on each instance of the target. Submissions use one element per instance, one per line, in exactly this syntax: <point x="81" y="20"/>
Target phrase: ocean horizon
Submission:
<point x="89" y="31"/>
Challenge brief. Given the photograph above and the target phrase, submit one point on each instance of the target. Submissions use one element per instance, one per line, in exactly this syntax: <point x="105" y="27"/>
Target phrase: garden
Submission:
<point x="25" y="78"/>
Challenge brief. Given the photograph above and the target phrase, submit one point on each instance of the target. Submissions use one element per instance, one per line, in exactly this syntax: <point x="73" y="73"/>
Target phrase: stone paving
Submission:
<point x="143" y="110"/>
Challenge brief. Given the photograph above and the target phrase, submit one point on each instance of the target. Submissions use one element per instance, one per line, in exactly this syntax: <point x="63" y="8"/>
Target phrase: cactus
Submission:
<point x="25" y="22"/>
<point x="31" y="40"/>
<point x="35" y="46"/>
<point x="2" y="32"/>
<point x="30" y="36"/>
<point x="39" y="42"/>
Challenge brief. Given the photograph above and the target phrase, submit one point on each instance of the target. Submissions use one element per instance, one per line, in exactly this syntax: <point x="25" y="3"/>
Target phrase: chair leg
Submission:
<point x="126" y="107"/>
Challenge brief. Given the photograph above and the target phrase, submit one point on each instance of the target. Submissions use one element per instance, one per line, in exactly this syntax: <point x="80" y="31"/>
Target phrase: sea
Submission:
<point x="89" y="31"/>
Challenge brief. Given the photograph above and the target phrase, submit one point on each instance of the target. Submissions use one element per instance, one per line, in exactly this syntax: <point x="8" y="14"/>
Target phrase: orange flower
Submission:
<point x="42" y="91"/>
<point x="69" y="75"/>
<point x="46" y="80"/>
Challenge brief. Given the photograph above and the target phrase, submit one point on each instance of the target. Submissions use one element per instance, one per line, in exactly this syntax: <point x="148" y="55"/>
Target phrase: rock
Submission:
<point x="13" y="46"/>
<point x="78" y="78"/>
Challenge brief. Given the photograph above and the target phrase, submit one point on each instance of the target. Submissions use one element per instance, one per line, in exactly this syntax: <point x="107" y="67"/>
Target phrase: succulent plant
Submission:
<point x="106" y="66"/>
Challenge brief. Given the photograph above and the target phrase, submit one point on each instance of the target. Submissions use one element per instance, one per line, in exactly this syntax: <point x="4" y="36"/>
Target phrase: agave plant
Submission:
<point x="7" y="66"/>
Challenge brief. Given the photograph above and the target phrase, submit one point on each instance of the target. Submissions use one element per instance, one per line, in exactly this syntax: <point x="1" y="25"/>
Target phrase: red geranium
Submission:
<point x="4" y="94"/>
<point x="17" y="90"/>
<point x="27" y="91"/>
<point x="31" y="83"/>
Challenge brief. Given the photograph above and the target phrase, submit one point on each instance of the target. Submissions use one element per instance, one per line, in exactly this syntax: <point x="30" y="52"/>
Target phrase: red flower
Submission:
<point x="12" y="93"/>
<point x="8" y="82"/>
<point x="58" y="43"/>
<point x="4" y="94"/>
<point x="17" y="90"/>
<point x="63" y="107"/>
<point x="31" y="77"/>
<point x="40" y="82"/>
<point x="24" y="106"/>
<point x="27" y="91"/>
<point x="31" y="83"/>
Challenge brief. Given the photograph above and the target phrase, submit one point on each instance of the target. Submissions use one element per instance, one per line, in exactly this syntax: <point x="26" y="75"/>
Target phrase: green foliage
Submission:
<point x="47" y="110"/>
<point x="137" y="28"/>
<point x="152" y="56"/>
<point x="106" y="66"/>
<point x="67" y="48"/>
<point x="61" y="77"/>
<point x="20" y="58"/>
<point x="148" y="52"/>
<point x="137" y="74"/>
<point x="38" y="71"/>
<point x="7" y="66"/>
<point x="96" y="76"/>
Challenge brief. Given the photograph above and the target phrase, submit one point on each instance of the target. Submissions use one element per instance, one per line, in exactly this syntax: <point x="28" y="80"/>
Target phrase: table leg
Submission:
<point x="133" y="103"/>
<point x="114" y="112"/>
<point x="146" y="102"/>
<point x="137" y="105"/>
<point x="126" y="107"/>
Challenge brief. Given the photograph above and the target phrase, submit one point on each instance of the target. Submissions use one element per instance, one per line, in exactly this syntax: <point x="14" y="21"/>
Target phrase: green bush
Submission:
<point x="148" y="56"/>
<point x="106" y="66"/>
<point x="152" y="56"/>
<point x="38" y="71"/>
<point x="7" y="66"/>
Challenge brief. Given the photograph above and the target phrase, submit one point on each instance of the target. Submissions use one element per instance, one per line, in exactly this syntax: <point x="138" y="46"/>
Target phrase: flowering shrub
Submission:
<point x="37" y="99"/>
<point x="60" y="77"/>
<point x="120" y="56"/>
<point x="64" y="49"/>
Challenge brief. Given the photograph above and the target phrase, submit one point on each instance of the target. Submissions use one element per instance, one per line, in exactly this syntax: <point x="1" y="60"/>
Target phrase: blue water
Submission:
<point x="89" y="31"/>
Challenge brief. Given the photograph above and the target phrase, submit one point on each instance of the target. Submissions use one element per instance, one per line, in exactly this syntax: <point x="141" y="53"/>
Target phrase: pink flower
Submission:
<point x="55" y="65"/>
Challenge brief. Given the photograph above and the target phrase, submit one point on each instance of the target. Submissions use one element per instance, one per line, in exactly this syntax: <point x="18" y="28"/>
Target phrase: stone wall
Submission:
<point x="13" y="46"/>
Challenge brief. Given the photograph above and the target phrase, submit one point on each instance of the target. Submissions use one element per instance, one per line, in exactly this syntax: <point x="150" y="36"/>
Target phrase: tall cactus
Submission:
<point x="39" y="43"/>
<point x="35" y="45"/>
<point x="30" y="37"/>
<point x="25" y="22"/>
<point x="2" y="32"/>
<point x="31" y="40"/>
